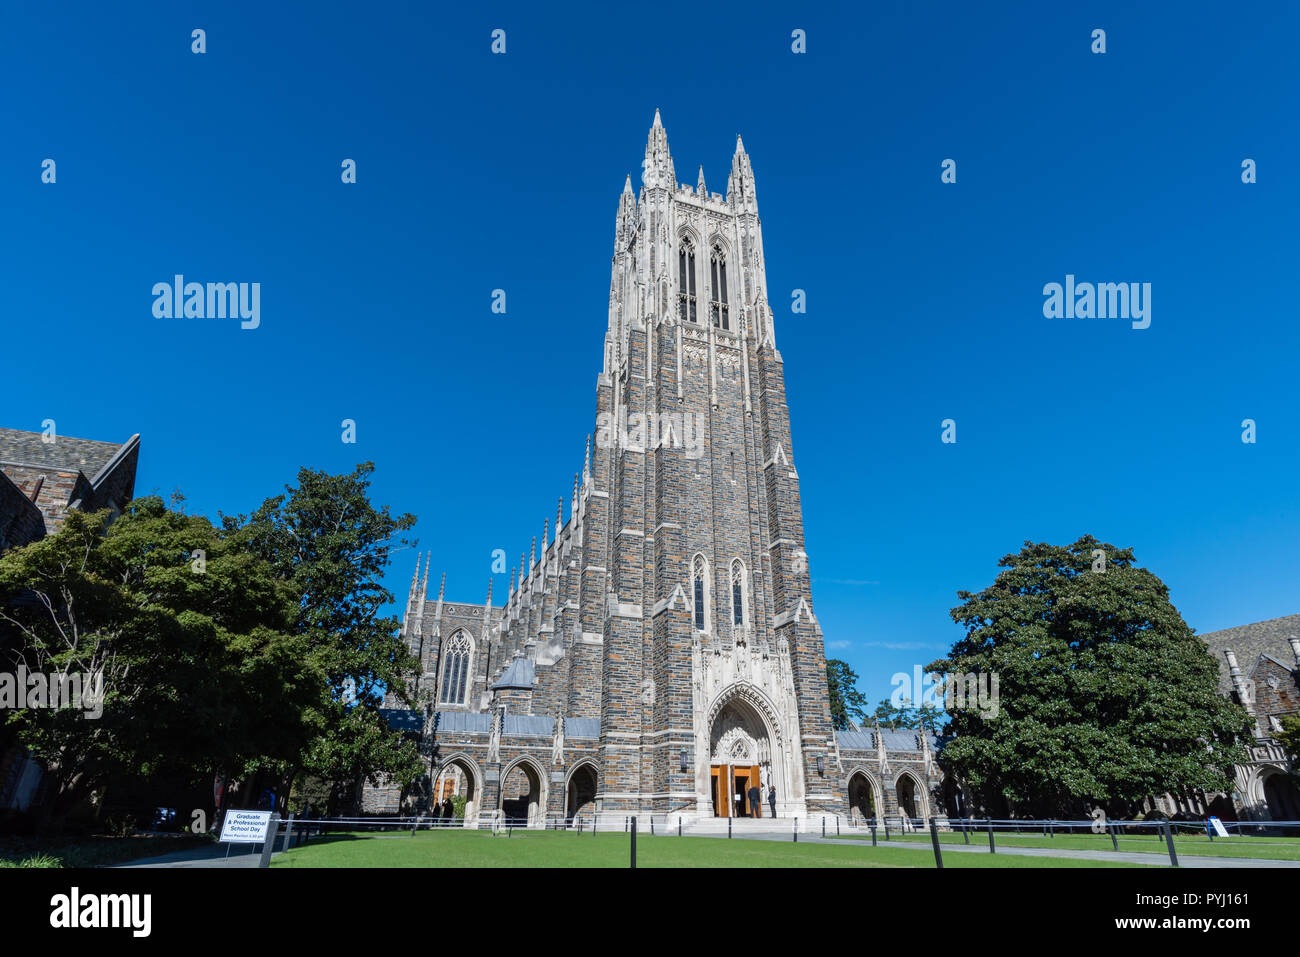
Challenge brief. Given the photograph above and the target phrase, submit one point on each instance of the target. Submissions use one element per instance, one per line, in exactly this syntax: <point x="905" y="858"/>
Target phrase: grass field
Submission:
<point x="1266" y="848"/>
<point x="459" y="848"/>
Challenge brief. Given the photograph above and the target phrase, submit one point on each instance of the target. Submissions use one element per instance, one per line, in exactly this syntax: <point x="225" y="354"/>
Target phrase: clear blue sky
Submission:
<point x="478" y="172"/>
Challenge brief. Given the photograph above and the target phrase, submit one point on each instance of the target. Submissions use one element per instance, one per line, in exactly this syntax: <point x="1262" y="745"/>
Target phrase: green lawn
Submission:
<point x="459" y="848"/>
<point x="1199" y="845"/>
<point x="95" y="851"/>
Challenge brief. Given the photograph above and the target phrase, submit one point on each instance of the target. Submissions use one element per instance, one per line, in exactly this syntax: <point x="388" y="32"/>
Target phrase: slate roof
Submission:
<point x="582" y="727"/>
<point x="1248" y="642"/>
<point x="65" y="453"/>
<point x="537" y="725"/>
<point x="402" y="719"/>
<point x="903" y="739"/>
<point x="464" y="721"/>
<point x="520" y="674"/>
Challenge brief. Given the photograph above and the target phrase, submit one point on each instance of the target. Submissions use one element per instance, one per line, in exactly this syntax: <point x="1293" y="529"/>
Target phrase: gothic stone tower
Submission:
<point x="714" y="670"/>
<point x="660" y="654"/>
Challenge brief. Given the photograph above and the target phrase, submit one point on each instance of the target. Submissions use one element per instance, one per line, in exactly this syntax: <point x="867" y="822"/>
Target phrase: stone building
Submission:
<point x="42" y="478"/>
<point x="658" y="651"/>
<point x="1259" y="668"/>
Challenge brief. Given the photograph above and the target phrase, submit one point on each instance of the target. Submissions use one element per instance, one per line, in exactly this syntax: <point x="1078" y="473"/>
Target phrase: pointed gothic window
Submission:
<point x="738" y="594"/>
<point x="700" y="575"/>
<point x="686" y="282"/>
<point x="455" y="669"/>
<point x="718" y="271"/>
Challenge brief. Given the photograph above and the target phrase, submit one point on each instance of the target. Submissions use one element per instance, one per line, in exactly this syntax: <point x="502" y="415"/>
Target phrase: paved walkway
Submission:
<point x="206" y="855"/>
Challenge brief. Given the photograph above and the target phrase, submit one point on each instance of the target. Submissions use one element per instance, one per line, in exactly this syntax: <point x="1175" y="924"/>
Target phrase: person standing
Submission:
<point x="771" y="798"/>
<point x="755" y="800"/>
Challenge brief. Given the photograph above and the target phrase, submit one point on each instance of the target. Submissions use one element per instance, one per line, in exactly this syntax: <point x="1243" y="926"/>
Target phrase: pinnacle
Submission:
<point x="658" y="123"/>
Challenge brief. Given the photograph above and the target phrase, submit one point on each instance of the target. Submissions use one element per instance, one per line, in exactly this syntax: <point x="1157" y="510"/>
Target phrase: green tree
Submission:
<point x="332" y="545"/>
<point x="847" y="702"/>
<point x="188" y="638"/>
<point x="1289" y="737"/>
<point x="889" y="716"/>
<point x="1105" y="694"/>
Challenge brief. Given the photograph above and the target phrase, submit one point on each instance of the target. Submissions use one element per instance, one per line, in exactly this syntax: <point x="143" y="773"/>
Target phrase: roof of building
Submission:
<point x="467" y="721"/>
<point x="901" y="739"/>
<point x="538" y="725"/>
<point x="1248" y="642"/>
<point x="520" y="674"/>
<point x="402" y="719"/>
<point x="582" y="727"/>
<point x="65" y="452"/>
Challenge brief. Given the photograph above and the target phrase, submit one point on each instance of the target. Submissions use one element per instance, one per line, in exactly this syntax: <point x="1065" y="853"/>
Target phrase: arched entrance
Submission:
<point x="523" y="794"/>
<point x="458" y="777"/>
<point x="911" y="801"/>
<point x="1282" y="797"/>
<point x="740" y="759"/>
<point x="581" y="790"/>
<point x="862" y="798"/>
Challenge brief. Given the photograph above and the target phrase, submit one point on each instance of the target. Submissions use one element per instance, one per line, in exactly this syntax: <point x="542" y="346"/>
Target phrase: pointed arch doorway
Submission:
<point x="740" y="759"/>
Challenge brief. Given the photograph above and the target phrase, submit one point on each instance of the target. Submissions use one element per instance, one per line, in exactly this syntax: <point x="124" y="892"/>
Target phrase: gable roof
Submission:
<point x="1248" y="642"/>
<point x="65" y="453"/>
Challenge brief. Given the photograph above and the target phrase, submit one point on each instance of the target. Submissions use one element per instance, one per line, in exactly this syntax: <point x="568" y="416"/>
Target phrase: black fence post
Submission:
<point x="873" y="832"/>
<point x="679" y="825"/>
<point x="837" y="825"/>
<point x="934" y="839"/>
<point x="288" y="833"/>
<point x="965" y="831"/>
<point x="885" y="822"/>
<point x="268" y="846"/>
<point x="796" y="830"/>
<point x="823" y="826"/>
<point x="652" y="825"/>
<point x="728" y="828"/>
<point x="992" y="847"/>
<point x="1114" y="841"/>
<point x="1169" y="836"/>
<point x="634" y="842"/>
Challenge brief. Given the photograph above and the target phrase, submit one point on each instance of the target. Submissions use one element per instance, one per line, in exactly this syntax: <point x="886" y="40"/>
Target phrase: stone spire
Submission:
<point x="442" y="588"/>
<point x="559" y="516"/>
<point x="740" y="184"/>
<point x="573" y="505"/>
<point x="410" y="596"/>
<point x="700" y="188"/>
<point x="586" y="462"/>
<point x="657" y="167"/>
<point x="1295" y="649"/>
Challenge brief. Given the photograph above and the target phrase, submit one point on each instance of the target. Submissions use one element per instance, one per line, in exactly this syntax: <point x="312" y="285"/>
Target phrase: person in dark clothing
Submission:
<point x="755" y="800"/>
<point x="448" y="811"/>
<point x="771" y="798"/>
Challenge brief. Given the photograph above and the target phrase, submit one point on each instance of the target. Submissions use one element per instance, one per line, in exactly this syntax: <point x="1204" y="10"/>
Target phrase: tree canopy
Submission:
<point x="1106" y="695"/>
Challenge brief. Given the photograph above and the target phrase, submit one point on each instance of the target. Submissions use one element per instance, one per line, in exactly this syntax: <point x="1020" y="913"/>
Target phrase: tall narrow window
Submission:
<point x="686" y="282"/>
<point x="738" y="594"/>
<point x="700" y="574"/>
<point x="455" y="669"/>
<point x="718" y="305"/>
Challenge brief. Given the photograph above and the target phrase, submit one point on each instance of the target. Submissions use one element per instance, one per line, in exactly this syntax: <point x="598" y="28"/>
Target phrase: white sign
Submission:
<point x="245" y="827"/>
<point x="1219" y="829"/>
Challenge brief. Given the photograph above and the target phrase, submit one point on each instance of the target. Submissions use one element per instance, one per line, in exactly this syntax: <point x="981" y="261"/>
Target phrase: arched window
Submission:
<point x="686" y="282"/>
<point x="738" y="590"/>
<point x="700" y="585"/>
<point x="718" y="270"/>
<point x="455" y="669"/>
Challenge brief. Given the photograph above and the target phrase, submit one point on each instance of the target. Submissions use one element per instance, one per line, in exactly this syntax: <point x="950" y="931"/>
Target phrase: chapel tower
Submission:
<point x="713" y="666"/>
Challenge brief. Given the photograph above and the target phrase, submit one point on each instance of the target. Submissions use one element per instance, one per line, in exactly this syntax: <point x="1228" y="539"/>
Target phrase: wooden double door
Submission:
<point x="731" y="784"/>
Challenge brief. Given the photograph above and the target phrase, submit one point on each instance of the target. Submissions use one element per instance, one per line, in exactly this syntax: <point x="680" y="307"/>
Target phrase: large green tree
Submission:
<point x="847" y="702"/>
<point x="189" y="636"/>
<point x="1105" y="694"/>
<point x="332" y="545"/>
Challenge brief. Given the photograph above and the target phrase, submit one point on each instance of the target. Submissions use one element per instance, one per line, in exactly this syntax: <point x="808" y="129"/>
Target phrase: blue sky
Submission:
<point x="478" y="172"/>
